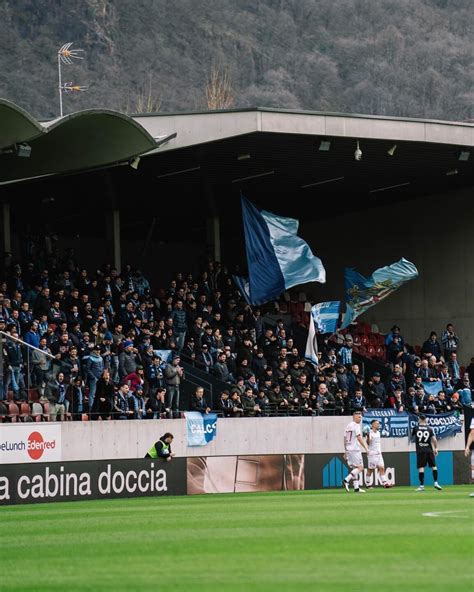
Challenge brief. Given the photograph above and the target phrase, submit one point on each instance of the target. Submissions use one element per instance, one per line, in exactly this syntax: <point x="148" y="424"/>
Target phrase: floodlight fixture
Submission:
<point x="358" y="152"/>
<point x="324" y="145"/>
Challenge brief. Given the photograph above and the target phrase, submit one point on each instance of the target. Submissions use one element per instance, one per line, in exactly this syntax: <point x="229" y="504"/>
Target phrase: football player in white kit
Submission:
<point x="353" y="442"/>
<point x="470" y="440"/>
<point x="374" y="456"/>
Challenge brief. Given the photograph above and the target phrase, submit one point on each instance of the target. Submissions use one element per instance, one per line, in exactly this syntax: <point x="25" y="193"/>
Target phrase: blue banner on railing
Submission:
<point x="443" y="424"/>
<point x="200" y="428"/>
<point x="392" y="423"/>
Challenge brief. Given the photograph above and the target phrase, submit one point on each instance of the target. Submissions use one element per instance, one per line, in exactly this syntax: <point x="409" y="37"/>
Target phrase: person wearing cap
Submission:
<point x="204" y="359"/>
<point x="376" y="393"/>
<point x="353" y="442"/>
<point x="94" y="367"/>
<point x="173" y="374"/>
<point x="127" y="359"/>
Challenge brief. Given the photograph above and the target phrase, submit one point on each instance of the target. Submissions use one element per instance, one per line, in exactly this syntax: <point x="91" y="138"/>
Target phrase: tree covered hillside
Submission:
<point x="387" y="57"/>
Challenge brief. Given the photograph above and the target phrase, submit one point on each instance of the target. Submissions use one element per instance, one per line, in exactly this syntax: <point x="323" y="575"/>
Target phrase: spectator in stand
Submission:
<point x="376" y="393"/>
<point x="198" y="402"/>
<point x="204" y="359"/>
<point x="431" y="347"/>
<point x="395" y="399"/>
<point x="220" y="369"/>
<point x="14" y="358"/>
<point x="121" y="403"/>
<point x="179" y="324"/>
<point x="94" y="368"/>
<point x="450" y="341"/>
<point x="394" y="331"/>
<point x="345" y="353"/>
<point x="395" y="350"/>
<point x="454" y="368"/>
<point x="56" y="395"/>
<point x="104" y="397"/>
<point x="75" y="398"/>
<point x="237" y="408"/>
<point x="251" y="407"/>
<point x="127" y="359"/>
<point x="156" y="405"/>
<point x="465" y="391"/>
<point x="224" y="404"/>
<point x="358" y="402"/>
<point x="173" y="374"/>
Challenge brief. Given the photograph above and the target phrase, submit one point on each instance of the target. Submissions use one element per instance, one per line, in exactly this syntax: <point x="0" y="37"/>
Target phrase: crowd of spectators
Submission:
<point x="108" y="347"/>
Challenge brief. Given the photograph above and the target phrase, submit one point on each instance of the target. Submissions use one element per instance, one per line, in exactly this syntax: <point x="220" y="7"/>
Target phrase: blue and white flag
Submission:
<point x="432" y="388"/>
<point x="443" y="424"/>
<point x="393" y="424"/>
<point x="200" y="428"/>
<point x="362" y="293"/>
<point x="277" y="258"/>
<point x="325" y="316"/>
<point x="311" y="351"/>
<point x="243" y="285"/>
<point x="164" y="354"/>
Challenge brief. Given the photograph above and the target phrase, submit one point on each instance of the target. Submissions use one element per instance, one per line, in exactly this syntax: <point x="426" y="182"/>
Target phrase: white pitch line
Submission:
<point x="451" y="513"/>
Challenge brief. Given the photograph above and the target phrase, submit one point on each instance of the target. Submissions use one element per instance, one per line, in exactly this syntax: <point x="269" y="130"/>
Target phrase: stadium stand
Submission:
<point x="72" y="338"/>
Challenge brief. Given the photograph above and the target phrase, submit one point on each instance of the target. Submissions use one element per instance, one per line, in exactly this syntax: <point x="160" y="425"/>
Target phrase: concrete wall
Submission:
<point x="132" y="439"/>
<point x="436" y="233"/>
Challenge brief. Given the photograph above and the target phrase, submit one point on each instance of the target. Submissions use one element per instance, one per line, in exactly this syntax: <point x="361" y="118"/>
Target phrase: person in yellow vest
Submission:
<point x="162" y="448"/>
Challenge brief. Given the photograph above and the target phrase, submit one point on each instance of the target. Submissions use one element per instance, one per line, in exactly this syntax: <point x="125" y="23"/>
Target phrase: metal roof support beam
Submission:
<point x="116" y="239"/>
<point x="7" y="236"/>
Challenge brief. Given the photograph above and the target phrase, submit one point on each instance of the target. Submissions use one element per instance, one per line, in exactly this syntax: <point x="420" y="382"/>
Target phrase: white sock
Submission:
<point x="356" y="483"/>
<point x="383" y="478"/>
<point x="352" y="475"/>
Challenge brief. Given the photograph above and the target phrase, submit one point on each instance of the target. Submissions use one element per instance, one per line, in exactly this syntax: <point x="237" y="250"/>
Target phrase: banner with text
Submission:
<point x="393" y="424"/>
<point x="200" y="428"/>
<point x="104" y="479"/>
<point x="30" y="442"/>
<point x="443" y="424"/>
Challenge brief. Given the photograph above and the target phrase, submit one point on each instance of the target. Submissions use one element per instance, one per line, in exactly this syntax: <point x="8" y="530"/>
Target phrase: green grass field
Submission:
<point x="321" y="540"/>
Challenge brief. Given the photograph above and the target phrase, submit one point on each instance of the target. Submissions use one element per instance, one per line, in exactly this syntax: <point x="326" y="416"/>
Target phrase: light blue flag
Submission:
<point x="200" y="429"/>
<point x="277" y="258"/>
<point x="326" y="315"/>
<point x="432" y="388"/>
<point x="362" y="293"/>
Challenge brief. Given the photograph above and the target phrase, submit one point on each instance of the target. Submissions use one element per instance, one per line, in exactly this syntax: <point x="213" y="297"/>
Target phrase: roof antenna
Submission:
<point x="66" y="55"/>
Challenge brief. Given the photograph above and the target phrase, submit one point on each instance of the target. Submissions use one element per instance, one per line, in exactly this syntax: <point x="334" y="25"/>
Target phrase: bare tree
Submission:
<point x="145" y="101"/>
<point x="219" y="91"/>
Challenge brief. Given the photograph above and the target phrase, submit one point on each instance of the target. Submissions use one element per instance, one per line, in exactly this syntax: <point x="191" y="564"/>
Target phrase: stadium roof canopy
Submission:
<point x="278" y="155"/>
<point x="77" y="142"/>
<point x="294" y="163"/>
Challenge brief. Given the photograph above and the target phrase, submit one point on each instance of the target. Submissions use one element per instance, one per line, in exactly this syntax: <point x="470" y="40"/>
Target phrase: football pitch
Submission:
<point x="389" y="540"/>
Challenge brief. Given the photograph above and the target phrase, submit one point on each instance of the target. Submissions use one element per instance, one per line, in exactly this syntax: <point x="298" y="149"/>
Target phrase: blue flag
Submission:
<point x="325" y="316"/>
<point x="200" y="428"/>
<point x="277" y="258"/>
<point x="443" y="424"/>
<point x="362" y="293"/>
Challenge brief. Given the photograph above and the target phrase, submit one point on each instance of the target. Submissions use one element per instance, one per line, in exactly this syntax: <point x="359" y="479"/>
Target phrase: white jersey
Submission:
<point x="472" y="424"/>
<point x="374" y="444"/>
<point x="351" y="432"/>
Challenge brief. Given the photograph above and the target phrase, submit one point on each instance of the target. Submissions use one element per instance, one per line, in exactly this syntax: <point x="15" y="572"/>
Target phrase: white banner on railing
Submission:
<point x="29" y="443"/>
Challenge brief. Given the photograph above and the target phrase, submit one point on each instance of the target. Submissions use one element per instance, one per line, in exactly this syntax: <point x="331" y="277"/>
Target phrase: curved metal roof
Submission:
<point x="80" y="141"/>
